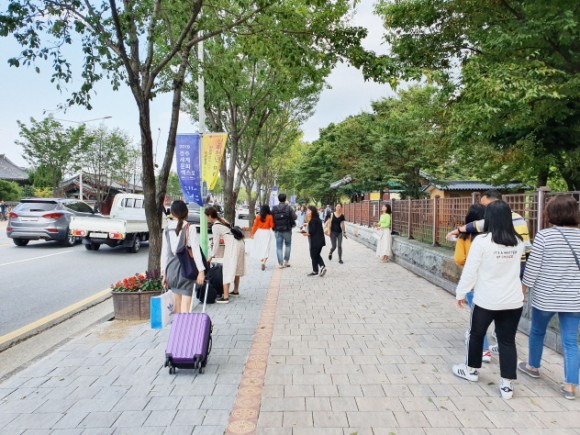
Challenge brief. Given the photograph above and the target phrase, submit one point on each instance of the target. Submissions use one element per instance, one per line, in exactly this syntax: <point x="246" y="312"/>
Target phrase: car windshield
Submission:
<point x="193" y="207"/>
<point x="35" y="206"/>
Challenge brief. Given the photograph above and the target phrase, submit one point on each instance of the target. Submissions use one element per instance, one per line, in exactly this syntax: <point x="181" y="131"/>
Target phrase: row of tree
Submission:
<point x="266" y="62"/>
<point x="499" y="101"/>
<point x="54" y="152"/>
<point x="503" y="85"/>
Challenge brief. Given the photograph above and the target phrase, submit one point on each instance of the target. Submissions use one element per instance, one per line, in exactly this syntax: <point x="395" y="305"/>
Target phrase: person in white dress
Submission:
<point x="262" y="235"/>
<point x="234" y="262"/>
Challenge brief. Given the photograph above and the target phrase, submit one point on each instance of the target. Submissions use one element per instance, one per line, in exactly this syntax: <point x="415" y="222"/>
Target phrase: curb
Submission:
<point x="41" y="325"/>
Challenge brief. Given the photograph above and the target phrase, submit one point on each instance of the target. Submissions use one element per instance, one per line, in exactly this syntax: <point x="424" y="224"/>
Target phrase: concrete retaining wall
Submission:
<point x="436" y="265"/>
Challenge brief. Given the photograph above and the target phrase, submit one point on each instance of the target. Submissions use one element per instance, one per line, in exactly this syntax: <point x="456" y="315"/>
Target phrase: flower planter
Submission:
<point x="132" y="305"/>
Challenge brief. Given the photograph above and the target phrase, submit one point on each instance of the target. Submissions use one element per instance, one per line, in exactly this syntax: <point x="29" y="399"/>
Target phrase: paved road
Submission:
<point x="43" y="277"/>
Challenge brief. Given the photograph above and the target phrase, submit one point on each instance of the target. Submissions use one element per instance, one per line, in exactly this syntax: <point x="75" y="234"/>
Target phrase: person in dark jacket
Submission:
<point x="317" y="241"/>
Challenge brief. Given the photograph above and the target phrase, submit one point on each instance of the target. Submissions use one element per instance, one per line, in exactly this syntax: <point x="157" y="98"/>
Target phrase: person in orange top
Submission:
<point x="262" y="235"/>
<point x="475" y="213"/>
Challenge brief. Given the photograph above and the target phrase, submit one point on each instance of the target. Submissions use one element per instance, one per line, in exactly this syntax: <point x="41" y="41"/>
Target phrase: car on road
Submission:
<point x="243" y="212"/>
<point x="193" y="213"/>
<point x="45" y="219"/>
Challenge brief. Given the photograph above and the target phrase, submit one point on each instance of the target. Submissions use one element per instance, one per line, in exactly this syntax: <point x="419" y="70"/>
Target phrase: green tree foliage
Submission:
<point x="408" y="136"/>
<point x="50" y="149"/>
<point x="10" y="191"/>
<point x="278" y="60"/>
<point x="516" y="109"/>
<point x="134" y="43"/>
<point x="106" y="156"/>
<point x="400" y="138"/>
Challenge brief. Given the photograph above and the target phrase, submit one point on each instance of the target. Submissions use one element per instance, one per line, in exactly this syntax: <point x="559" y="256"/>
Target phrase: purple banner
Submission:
<point x="187" y="152"/>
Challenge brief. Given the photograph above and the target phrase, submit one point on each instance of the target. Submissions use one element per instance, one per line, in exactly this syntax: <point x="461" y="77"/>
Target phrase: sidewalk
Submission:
<point x="367" y="349"/>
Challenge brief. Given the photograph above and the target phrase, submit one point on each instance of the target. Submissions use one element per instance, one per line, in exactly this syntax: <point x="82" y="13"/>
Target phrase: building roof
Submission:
<point x="9" y="171"/>
<point x="448" y="185"/>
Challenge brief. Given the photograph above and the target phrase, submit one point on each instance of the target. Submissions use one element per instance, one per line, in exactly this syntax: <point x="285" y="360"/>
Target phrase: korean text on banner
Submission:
<point x="213" y="146"/>
<point x="187" y="156"/>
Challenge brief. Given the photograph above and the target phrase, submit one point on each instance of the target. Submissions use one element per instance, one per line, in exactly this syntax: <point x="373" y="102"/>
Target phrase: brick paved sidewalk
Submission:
<point x="366" y="349"/>
<point x="112" y="380"/>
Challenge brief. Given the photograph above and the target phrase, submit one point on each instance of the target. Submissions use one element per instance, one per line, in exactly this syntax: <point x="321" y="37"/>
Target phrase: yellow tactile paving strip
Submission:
<point x="244" y="415"/>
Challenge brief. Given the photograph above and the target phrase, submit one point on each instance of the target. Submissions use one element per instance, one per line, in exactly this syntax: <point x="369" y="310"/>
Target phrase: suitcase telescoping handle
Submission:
<point x="206" y="283"/>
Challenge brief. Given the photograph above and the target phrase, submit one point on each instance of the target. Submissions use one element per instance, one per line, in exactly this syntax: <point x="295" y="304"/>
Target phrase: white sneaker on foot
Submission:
<point x="494" y="348"/>
<point x="465" y="372"/>
<point x="506" y="389"/>
<point x="322" y="271"/>
<point x="486" y="357"/>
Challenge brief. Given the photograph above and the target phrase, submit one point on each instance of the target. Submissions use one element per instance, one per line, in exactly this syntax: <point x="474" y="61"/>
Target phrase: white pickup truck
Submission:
<point x="126" y="225"/>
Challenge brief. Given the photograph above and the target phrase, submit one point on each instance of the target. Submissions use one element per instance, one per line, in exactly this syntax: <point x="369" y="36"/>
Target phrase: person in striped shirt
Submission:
<point x="553" y="275"/>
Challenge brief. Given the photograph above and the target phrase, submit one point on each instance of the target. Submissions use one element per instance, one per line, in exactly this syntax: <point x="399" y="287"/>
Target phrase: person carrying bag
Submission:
<point x="181" y="258"/>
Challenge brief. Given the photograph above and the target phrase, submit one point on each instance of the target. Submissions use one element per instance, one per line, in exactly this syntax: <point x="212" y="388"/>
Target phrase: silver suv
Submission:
<point x="46" y="219"/>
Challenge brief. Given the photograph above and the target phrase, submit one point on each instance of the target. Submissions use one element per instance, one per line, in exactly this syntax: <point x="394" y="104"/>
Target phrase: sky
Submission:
<point x="26" y="94"/>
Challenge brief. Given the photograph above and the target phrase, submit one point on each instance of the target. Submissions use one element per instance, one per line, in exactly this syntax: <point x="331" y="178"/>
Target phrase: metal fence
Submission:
<point x="429" y="220"/>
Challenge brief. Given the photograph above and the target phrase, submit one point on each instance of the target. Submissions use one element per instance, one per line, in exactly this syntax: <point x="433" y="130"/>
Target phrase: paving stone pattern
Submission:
<point x="367" y="349"/>
<point x="112" y="380"/>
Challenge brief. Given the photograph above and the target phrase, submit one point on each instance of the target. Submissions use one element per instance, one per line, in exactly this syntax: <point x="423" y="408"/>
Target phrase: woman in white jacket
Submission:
<point x="492" y="269"/>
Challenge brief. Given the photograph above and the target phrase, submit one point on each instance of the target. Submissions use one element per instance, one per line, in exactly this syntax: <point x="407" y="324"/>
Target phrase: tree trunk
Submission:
<point x="542" y="179"/>
<point x="228" y="174"/>
<point x="151" y="207"/>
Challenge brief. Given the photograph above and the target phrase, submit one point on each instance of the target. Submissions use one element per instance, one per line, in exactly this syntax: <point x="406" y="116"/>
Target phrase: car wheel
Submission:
<point x="20" y="242"/>
<point x="136" y="245"/>
<point x="89" y="247"/>
<point x="69" y="241"/>
<point x="95" y="246"/>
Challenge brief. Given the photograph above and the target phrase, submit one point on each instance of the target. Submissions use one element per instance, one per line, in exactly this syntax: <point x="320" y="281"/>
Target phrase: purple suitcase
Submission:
<point x="189" y="341"/>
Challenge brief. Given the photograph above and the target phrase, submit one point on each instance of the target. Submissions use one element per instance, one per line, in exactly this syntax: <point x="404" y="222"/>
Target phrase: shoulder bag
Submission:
<point x="570" y="246"/>
<point x="188" y="267"/>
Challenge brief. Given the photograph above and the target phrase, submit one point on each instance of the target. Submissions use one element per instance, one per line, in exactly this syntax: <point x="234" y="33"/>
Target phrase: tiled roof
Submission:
<point x="9" y="171"/>
<point x="475" y="185"/>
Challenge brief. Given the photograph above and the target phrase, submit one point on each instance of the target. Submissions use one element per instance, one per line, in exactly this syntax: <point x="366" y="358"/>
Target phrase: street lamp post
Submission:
<point x="83" y="123"/>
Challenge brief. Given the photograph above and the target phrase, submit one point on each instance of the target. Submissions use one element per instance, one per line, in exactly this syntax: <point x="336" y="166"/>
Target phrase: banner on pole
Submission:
<point x="187" y="158"/>
<point x="213" y="146"/>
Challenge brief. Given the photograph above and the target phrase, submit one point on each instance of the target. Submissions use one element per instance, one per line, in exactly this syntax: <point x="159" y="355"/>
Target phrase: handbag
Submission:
<point x="185" y="256"/>
<point x="162" y="308"/>
<point x="327" y="225"/>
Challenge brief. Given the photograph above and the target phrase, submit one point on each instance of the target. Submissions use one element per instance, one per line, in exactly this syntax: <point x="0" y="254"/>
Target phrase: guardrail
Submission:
<point x="429" y="220"/>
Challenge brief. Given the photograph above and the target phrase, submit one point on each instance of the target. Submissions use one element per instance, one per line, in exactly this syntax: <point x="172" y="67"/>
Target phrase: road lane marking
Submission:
<point x="33" y="258"/>
<point x="52" y="317"/>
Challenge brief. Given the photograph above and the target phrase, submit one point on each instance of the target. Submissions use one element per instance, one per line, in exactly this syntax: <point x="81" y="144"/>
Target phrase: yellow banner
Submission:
<point x="213" y="146"/>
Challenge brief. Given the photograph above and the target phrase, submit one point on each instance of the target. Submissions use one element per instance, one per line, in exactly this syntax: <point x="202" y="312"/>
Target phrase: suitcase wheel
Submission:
<point x="171" y="370"/>
<point x="201" y="370"/>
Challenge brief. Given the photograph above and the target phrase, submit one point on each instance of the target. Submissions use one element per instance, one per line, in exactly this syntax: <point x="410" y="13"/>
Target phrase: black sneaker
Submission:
<point x="322" y="271"/>
<point x="340" y="261"/>
<point x="312" y="274"/>
<point x="222" y="300"/>
<point x="330" y="256"/>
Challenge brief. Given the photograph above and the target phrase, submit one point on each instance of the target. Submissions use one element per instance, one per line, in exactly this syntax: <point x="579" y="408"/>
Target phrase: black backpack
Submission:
<point x="282" y="218"/>
<point x="237" y="233"/>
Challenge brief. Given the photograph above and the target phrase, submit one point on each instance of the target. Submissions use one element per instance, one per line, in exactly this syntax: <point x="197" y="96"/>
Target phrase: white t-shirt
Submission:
<point x="493" y="271"/>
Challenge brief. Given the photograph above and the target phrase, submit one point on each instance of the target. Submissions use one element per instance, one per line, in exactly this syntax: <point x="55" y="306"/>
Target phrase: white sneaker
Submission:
<point x="286" y="264"/>
<point x="280" y="266"/>
<point x="486" y="357"/>
<point x="506" y="389"/>
<point x="494" y="348"/>
<point x="465" y="372"/>
<point x="322" y="271"/>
